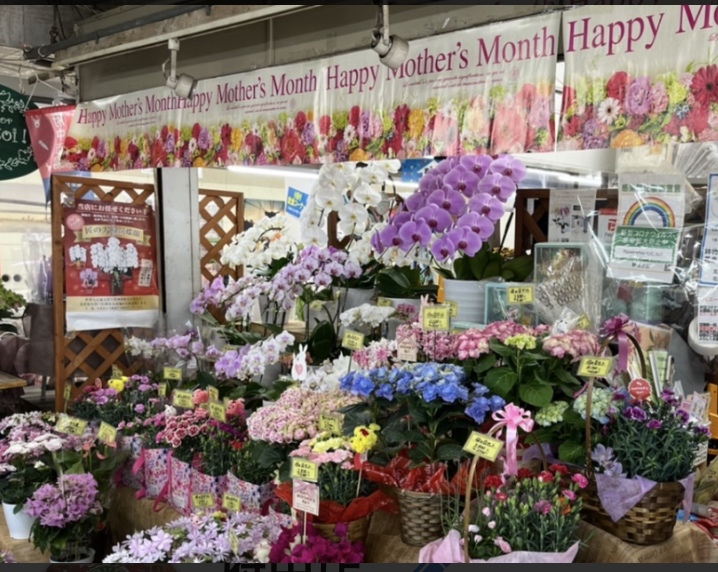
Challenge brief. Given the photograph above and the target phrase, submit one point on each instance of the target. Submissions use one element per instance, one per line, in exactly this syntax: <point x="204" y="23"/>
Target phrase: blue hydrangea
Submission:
<point x="386" y="391"/>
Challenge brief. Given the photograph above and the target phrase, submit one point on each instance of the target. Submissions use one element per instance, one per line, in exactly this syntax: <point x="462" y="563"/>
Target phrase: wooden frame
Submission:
<point x="230" y="207"/>
<point x="91" y="353"/>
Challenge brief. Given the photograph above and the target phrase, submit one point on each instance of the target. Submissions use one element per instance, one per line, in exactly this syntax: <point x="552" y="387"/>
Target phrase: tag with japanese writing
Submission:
<point x="453" y="308"/>
<point x="436" y="318"/>
<point x="520" y="295"/>
<point x="213" y="393"/>
<point x="332" y="423"/>
<point x="305" y="470"/>
<point x="353" y="341"/>
<point x="234" y="542"/>
<point x="305" y="497"/>
<point x="117" y="373"/>
<point x="173" y="374"/>
<point x="583" y="323"/>
<point x="107" y="434"/>
<point x="226" y="349"/>
<point x="218" y="411"/>
<point x="595" y="367"/>
<point x="384" y="303"/>
<point x="483" y="446"/>
<point x="71" y="425"/>
<point x="67" y="393"/>
<point x="317" y="306"/>
<point x="408" y="350"/>
<point x="162" y="389"/>
<point x="183" y="399"/>
<point x="203" y="501"/>
<point x="231" y="503"/>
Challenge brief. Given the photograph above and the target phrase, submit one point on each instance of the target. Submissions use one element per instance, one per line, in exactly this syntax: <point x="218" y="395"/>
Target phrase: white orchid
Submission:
<point x="367" y="195"/>
<point x="268" y="240"/>
<point x="329" y="199"/>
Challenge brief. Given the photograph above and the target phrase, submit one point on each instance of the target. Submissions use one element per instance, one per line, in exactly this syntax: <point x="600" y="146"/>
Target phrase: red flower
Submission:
<point x="705" y="85"/>
<point x="254" y="143"/>
<point x="95" y="142"/>
<point x="636" y="121"/>
<point x="401" y="119"/>
<point x="226" y="135"/>
<point x="572" y="127"/>
<point x="525" y="474"/>
<point x="502" y="496"/>
<point x="118" y="145"/>
<point x="159" y="156"/>
<point x="569" y="98"/>
<point x="559" y="469"/>
<point x="546" y="477"/>
<point x="164" y="132"/>
<point x="195" y="130"/>
<point x="525" y="97"/>
<point x="70" y="143"/>
<point x="508" y="132"/>
<point x="697" y="119"/>
<point x="133" y="151"/>
<point x="493" y="482"/>
<point x="300" y="121"/>
<point x="354" y="116"/>
<point x="325" y="124"/>
<point x="617" y="86"/>
<point x="292" y="147"/>
<point x="674" y="127"/>
<point x="395" y="144"/>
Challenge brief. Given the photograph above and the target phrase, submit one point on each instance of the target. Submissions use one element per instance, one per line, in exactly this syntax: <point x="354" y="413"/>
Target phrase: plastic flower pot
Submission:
<point x="18" y="524"/>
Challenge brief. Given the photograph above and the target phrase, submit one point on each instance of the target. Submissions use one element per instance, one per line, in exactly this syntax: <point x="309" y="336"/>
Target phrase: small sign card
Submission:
<point x="172" y="374"/>
<point x="353" y="341"/>
<point x="183" y="399"/>
<point x="71" y="425"/>
<point x="436" y="318"/>
<point x="595" y="367"/>
<point x="304" y="470"/>
<point x="107" y="434"/>
<point x="520" y="295"/>
<point x="305" y="497"/>
<point x="483" y="446"/>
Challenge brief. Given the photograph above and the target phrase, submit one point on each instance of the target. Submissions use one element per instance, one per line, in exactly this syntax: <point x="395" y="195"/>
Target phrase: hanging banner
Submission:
<point x="16" y="157"/>
<point x="110" y="266"/>
<point x="640" y="75"/>
<point x="484" y="89"/>
<point x="48" y="128"/>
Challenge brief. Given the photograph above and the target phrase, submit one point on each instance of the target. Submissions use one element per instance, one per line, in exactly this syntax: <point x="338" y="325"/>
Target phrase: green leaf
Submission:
<point x="522" y="267"/>
<point x="501" y="349"/>
<point x="322" y="342"/>
<point x="535" y="394"/>
<point x="492" y="269"/>
<point x="501" y="381"/>
<point x="574" y="453"/>
<point x="479" y="261"/>
<point x="566" y="377"/>
<point x="462" y="269"/>
<point x="485" y="364"/>
<point x="417" y="413"/>
<point x="449" y="452"/>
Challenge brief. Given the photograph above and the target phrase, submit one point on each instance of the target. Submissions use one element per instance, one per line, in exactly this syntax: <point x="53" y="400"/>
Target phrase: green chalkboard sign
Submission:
<point x="16" y="157"/>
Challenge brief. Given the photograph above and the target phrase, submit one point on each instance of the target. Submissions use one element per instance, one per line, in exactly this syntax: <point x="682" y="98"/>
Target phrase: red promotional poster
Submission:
<point x="48" y="128"/>
<point x="111" y="262"/>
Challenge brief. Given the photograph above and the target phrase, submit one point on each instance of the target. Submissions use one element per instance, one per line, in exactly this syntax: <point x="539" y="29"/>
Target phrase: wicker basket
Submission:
<point x="358" y="530"/>
<point x="653" y="518"/>
<point x="420" y="516"/>
<point x="651" y="521"/>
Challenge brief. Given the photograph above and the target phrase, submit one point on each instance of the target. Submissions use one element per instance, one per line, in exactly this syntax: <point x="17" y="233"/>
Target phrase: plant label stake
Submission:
<point x="305" y="498"/>
<point x="107" y="434"/>
<point x="172" y="374"/>
<point x="304" y="470"/>
<point x="352" y="341"/>
<point x="117" y="373"/>
<point x="231" y="503"/>
<point x="483" y="446"/>
<point x="520" y="295"/>
<point x="332" y="423"/>
<point x="162" y="389"/>
<point x="218" y="411"/>
<point x="591" y="367"/>
<point x="67" y="394"/>
<point x="213" y="393"/>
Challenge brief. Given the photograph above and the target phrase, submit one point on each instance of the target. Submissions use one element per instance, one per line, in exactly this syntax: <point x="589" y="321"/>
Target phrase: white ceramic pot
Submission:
<point x="89" y="559"/>
<point x="470" y="295"/>
<point x="19" y="524"/>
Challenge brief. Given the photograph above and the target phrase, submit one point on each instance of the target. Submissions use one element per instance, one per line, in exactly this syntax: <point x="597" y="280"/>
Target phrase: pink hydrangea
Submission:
<point x="575" y="344"/>
<point x="471" y="344"/>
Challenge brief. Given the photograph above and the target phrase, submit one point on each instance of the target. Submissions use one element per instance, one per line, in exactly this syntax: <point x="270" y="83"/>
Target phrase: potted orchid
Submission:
<point x="451" y="218"/>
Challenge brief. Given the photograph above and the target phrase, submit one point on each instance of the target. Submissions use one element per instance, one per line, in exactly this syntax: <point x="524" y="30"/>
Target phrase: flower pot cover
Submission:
<point x="254" y="497"/>
<point x="204" y="484"/>
<point x="449" y="550"/>
<point x="133" y="445"/>
<point x="180" y="487"/>
<point x="19" y="524"/>
<point x="89" y="558"/>
<point x="156" y="471"/>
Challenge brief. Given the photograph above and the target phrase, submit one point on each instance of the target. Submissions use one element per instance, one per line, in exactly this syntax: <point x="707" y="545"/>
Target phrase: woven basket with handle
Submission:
<point x="420" y="516"/>
<point x="358" y="530"/>
<point x="653" y="518"/>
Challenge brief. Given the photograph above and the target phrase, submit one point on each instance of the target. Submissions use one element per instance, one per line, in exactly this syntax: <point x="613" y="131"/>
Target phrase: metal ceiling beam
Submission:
<point x="157" y="29"/>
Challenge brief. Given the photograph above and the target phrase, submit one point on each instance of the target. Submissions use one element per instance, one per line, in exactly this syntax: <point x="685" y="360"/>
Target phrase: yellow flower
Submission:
<point x="96" y="168"/>
<point x="237" y="139"/>
<point x="416" y="123"/>
<point x="365" y="438"/>
<point x="310" y="115"/>
<point x="522" y="342"/>
<point x="117" y="384"/>
<point x="199" y="162"/>
<point x="359" y="155"/>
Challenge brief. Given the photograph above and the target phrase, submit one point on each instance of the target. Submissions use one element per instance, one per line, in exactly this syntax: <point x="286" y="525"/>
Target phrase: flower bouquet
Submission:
<point x="642" y="463"/>
<point x="527" y="518"/>
<point x="292" y="547"/>
<point x="345" y="496"/>
<point x="216" y="538"/>
<point x="69" y="514"/>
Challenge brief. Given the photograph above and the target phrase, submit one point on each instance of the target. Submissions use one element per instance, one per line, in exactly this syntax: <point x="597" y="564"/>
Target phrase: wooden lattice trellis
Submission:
<point x="84" y="356"/>
<point x="222" y="218"/>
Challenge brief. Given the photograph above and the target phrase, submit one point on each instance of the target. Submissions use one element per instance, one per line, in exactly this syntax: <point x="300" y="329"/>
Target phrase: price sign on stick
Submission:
<point x="484" y="446"/>
<point x="595" y="367"/>
<point x="436" y="318"/>
<point x="304" y="470"/>
<point x="67" y="394"/>
<point x="162" y="389"/>
<point x="173" y="374"/>
<point x="408" y="350"/>
<point x="384" y="303"/>
<point x="353" y="341"/>
<point x="453" y="308"/>
<point x="203" y="501"/>
<point x="305" y="497"/>
<point x="182" y="399"/>
<point x="213" y="393"/>
<point x="218" y="411"/>
<point x="107" y="434"/>
<point x="117" y="373"/>
<point x="521" y="295"/>
<point x="231" y="503"/>
<point x="331" y="423"/>
<point x="71" y="425"/>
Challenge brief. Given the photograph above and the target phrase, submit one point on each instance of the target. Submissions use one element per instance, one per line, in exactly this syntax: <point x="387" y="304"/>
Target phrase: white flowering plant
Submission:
<point x="366" y="317"/>
<point x="78" y="254"/>
<point x="115" y="260"/>
<point x="264" y="249"/>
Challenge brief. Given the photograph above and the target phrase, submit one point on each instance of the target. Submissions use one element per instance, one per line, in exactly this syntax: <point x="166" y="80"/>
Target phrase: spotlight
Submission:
<point x="392" y="50"/>
<point x="183" y="85"/>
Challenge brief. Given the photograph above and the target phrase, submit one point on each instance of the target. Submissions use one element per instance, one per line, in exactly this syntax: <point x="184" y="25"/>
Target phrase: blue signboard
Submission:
<point x="296" y="201"/>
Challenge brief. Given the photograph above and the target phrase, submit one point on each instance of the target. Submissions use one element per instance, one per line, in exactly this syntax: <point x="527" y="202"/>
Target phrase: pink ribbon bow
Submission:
<point x="513" y="418"/>
<point x="618" y="328"/>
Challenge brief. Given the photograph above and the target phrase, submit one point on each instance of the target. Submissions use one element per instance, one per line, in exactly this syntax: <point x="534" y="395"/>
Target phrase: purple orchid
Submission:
<point x="438" y="220"/>
<point x="488" y="206"/>
<point x="430" y="182"/>
<point x="462" y="180"/>
<point x="415" y="202"/>
<point x="449" y="200"/>
<point x="499" y="186"/>
<point x="390" y="237"/>
<point x="509" y="167"/>
<point x="478" y="224"/>
<point x="443" y="249"/>
<point x="466" y="240"/>
<point x="477" y="164"/>
<point x="415" y="232"/>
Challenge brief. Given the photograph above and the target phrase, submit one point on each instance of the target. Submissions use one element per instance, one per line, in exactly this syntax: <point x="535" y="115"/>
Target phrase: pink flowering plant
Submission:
<point x="217" y="443"/>
<point x="527" y="513"/>
<point x="184" y="433"/>
<point x="292" y="548"/>
<point x="68" y="513"/>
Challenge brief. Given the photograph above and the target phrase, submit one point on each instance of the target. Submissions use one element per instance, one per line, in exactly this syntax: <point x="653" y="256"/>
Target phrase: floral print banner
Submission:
<point x="639" y="76"/>
<point x="488" y="89"/>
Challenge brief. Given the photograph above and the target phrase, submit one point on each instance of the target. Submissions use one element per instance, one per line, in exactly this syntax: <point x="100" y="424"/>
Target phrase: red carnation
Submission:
<point x="546" y="477"/>
<point x="226" y="135"/>
<point x="195" y="130"/>
<point x="354" y="115"/>
<point x="617" y="86"/>
<point x="159" y="156"/>
<point x="493" y="482"/>
<point x="325" y="124"/>
<point x="401" y="119"/>
<point x="292" y="147"/>
<point x="562" y="469"/>
<point x="300" y="121"/>
<point x="95" y="142"/>
<point x="395" y="144"/>
<point x="705" y="85"/>
<point x="524" y="474"/>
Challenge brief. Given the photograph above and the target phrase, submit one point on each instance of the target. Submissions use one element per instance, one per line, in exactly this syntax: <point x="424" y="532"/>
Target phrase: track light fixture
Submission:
<point x="183" y="85"/>
<point x="392" y="50"/>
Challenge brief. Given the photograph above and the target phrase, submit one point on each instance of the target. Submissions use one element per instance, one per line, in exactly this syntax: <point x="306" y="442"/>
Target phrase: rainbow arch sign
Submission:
<point x="651" y="209"/>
